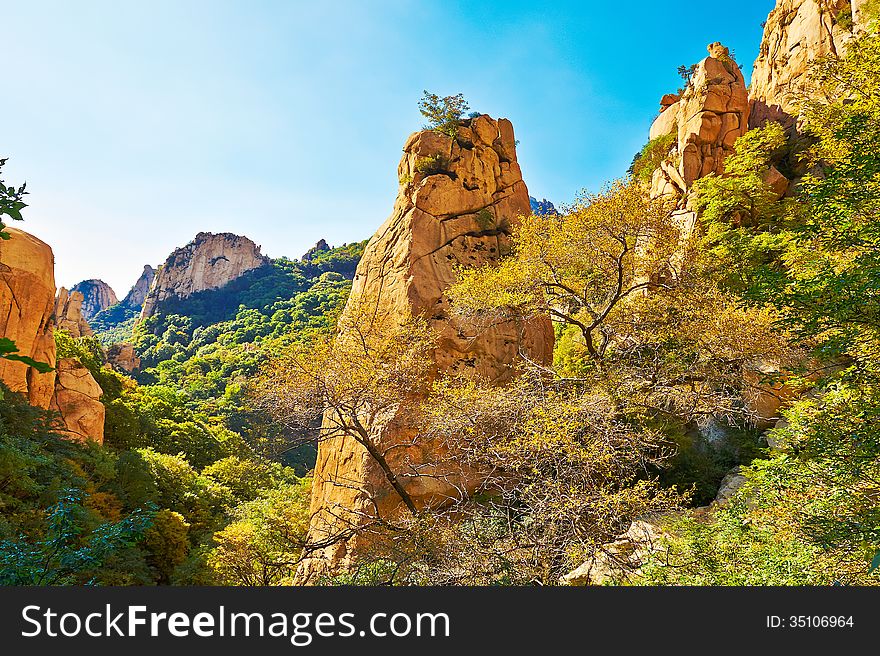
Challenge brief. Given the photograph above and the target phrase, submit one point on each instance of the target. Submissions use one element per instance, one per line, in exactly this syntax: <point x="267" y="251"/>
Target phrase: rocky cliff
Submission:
<point x="796" y="33"/>
<point x="458" y="199"/>
<point x="209" y="261"/>
<point x="69" y="313"/>
<point x="28" y="311"/>
<point x="706" y="120"/>
<point x="97" y="295"/>
<point x="138" y="293"/>
<point x="27" y="303"/>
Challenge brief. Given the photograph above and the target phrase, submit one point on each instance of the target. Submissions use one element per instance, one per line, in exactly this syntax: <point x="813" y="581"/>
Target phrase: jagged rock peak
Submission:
<point x="97" y="295"/>
<point x="209" y="261"/>
<point x="27" y="304"/>
<point x="796" y="33"/>
<point x="541" y="207"/>
<point x="711" y="114"/>
<point x="138" y="293"/>
<point x="320" y="247"/>
<point x="69" y="313"/>
<point x="459" y="198"/>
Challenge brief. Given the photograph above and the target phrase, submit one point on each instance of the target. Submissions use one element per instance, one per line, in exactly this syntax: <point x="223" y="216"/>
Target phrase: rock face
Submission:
<point x="209" y="261"/>
<point x="123" y="357"/>
<point x="69" y="314"/>
<point x="712" y="113"/>
<point x="796" y="33"/>
<point x="138" y="294"/>
<point x="27" y="302"/>
<point x="76" y="400"/>
<point x="96" y="294"/>
<point x="457" y="210"/>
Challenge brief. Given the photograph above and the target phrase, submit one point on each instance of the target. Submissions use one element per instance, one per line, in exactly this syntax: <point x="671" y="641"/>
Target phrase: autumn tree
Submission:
<point x="341" y="390"/>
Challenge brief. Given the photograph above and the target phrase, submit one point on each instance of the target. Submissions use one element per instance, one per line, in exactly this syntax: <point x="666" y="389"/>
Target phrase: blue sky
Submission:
<point x="137" y="125"/>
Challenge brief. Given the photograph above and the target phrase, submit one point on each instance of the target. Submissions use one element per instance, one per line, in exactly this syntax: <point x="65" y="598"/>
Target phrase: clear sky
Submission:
<point x="138" y="124"/>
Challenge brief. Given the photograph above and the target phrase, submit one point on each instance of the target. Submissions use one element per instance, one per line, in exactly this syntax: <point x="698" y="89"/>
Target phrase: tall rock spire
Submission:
<point x="457" y="202"/>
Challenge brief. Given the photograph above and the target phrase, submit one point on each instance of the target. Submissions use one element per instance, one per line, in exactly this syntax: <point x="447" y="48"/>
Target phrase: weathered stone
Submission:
<point x="123" y="358"/>
<point x="77" y="401"/>
<point x="321" y="247"/>
<point x="138" y="293"/>
<point x="767" y="392"/>
<point x="97" y="295"/>
<point x="710" y="116"/>
<point x="796" y="33"/>
<point x="208" y="262"/>
<point x="69" y="315"/>
<point x="439" y="222"/>
<point x="668" y="99"/>
<point x="619" y="560"/>
<point x="27" y="302"/>
<point x="730" y="484"/>
<point x="666" y="123"/>
<point x="777" y="182"/>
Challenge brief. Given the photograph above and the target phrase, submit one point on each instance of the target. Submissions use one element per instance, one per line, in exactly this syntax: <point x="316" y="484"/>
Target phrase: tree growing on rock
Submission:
<point x="443" y="113"/>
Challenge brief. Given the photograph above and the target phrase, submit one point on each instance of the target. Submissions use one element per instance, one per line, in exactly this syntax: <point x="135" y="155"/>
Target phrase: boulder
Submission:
<point x="123" y="358"/>
<point x="730" y="484"/>
<point x="77" y="401"/>
<point x="777" y="182"/>
<point x="619" y="561"/>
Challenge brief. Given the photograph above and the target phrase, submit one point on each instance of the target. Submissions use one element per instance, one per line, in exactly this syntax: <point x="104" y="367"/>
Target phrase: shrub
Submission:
<point x="443" y="114"/>
<point x="651" y="156"/>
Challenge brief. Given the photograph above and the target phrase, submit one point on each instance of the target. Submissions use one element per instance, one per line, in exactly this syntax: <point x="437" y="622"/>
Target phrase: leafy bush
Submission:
<point x="651" y="156"/>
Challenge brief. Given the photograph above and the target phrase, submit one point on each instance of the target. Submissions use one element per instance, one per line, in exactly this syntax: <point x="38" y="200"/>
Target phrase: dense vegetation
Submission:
<point x="189" y="486"/>
<point x="809" y="512"/>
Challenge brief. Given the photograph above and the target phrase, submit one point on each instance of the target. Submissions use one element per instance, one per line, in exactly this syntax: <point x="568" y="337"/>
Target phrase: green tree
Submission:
<point x="66" y="554"/>
<point x="443" y="113"/>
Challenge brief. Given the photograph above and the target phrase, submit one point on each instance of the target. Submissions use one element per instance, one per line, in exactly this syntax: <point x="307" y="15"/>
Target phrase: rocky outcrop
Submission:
<point x="138" y="293"/>
<point x="796" y="33"/>
<point x="123" y="358"/>
<point x="27" y="302"/>
<point x="458" y="199"/>
<point x="28" y="311"/>
<point x="77" y="402"/>
<point x="97" y="295"/>
<point x="541" y="207"/>
<point x="69" y="314"/>
<point x="209" y="261"/>
<point x="711" y="114"/>
<point x="620" y="560"/>
<point x="320" y="247"/>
